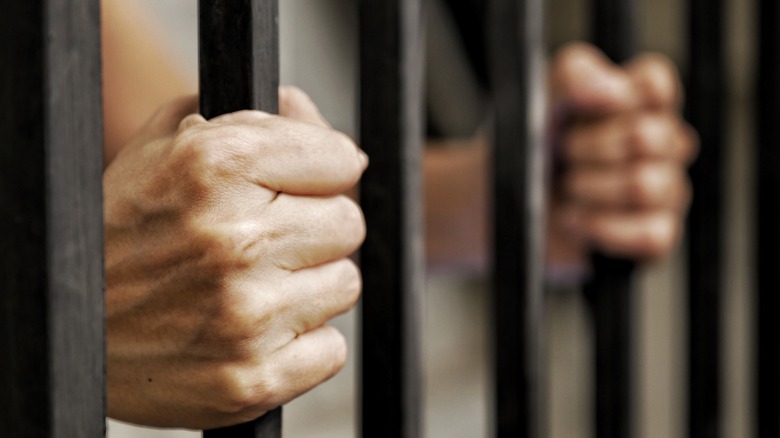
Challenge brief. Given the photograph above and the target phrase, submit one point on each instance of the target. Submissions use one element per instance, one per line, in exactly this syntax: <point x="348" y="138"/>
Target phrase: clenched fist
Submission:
<point x="624" y="149"/>
<point x="226" y="245"/>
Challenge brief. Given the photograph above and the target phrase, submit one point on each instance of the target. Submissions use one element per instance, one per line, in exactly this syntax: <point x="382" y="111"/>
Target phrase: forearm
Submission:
<point x="456" y="206"/>
<point x="138" y="73"/>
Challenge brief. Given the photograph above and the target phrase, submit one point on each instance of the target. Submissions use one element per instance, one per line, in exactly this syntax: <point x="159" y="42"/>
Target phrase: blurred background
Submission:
<point x="318" y="49"/>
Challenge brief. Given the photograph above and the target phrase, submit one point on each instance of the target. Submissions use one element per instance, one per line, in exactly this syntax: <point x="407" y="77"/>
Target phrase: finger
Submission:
<point x="645" y="184"/>
<point x="315" y="230"/>
<point x="278" y="153"/>
<point x="586" y="82"/>
<point x="650" y="135"/>
<point x="656" y="80"/>
<point x="249" y="390"/>
<point x="639" y="235"/>
<point x="296" y="104"/>
<point x="304" y="363"/>
<point x="316" y="295"/>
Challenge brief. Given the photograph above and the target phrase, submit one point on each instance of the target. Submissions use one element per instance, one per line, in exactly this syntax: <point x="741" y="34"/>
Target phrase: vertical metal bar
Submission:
<point x="391" y="44"/>
<point x="239" y="69"/>
<point x="516" y="60"/>
<point x="51" y="228"/>
<point x="609" y="289"/>
<point x="239" y="56"/>
<point x="706" y="91"/>
<point x="767" y="241"/>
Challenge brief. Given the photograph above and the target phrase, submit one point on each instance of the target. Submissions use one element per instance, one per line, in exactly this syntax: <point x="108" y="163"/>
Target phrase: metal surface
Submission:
<point x="516" y="61"/>
<point x="767" y="240"/>
<point x="51" y="226"/>
<point x="239" y="69"/>
<point x="392" y="255"/>
<point x="706" y="112"/>
<point x="609" y="290"/>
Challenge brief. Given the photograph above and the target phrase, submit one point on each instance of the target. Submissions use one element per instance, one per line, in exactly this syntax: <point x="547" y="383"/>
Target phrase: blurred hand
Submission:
<point x="623" y="153"/>
<point x="225" y="255"/>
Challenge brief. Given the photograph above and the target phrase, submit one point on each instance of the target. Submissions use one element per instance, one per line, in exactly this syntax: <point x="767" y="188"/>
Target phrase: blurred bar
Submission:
<point x="51" y="226"/>
<point x="609" y="290"/>
<point x="517" y="73"/>
<point x="239" y="69"/>
<point x="391" y="44"/>
<point x="706" y="112"/>
<point x="767" y="216"/>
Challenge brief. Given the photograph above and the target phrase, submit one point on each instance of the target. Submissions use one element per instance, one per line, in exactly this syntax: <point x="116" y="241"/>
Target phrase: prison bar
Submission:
<point x="516" y="62"/>
<point x="51" y="226"/>
<point x="706" y="112"/>
<point x="609" y="289"/>
<point x="239" y="70"/>
<point x="390" y="49"/>
<point x="767" y="220"/>
<point x="51" y="311"/>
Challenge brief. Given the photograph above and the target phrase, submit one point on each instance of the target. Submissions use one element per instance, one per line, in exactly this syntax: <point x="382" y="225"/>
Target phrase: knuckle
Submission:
<point x="352" y="282"/>
<point x="338" y="350"/>
<point x="212" y="148"/>
<point x="662" y="79"/>
<point x="644" y="184"/>
<point x="572" y="55"/>
<point x="659" y="237"/>
<point x="237" y="322"/>
<point x="348" y="148"/>
<point x="344" y="140"/>
<point x="352" y="220"/>
<point x="293" y="97"/>
<point x="204" y="160"/>
<point x="648" y="134"/>
<point x="238" y="389"/>
<point x="189" y="122"/>
<point x="222" y="251"/>
<point x="229" y="244"/>
<point x="196" y="161"/>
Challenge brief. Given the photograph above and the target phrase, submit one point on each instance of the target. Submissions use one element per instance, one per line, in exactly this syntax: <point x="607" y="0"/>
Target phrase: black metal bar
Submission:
<point x="614" y="28"/>
<point x="706" y="112"/>
<point x="392" y="257"/>
<point x="610" y="297"/>
<point x="51" y="227"/>
<point x="516" y="57"/>
<point x="767" y="216"/>
<point x="239" y="69"/>
<point x="609" y="290"/>
<point x="269" y="425"/>
<point x="239" y="56"/>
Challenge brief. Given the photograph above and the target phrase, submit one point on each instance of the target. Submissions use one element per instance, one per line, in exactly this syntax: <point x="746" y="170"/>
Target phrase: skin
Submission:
<point x="226" y="254"/>
<point x="623" y="147"/>
<point x="227" y="240"/>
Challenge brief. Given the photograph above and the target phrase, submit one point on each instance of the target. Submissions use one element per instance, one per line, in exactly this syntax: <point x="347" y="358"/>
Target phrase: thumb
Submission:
<point x="586" y="83"/>
<point x="165" y="121"/>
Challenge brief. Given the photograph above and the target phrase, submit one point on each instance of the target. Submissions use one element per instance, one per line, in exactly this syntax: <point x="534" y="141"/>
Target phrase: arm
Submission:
<point x="226" y="245"/>
<point x="226" y="253"/>
<point x="138" y="76"/>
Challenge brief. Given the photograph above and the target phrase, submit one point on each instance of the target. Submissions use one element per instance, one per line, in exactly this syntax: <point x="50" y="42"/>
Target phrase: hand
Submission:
<point x="225" y="255"/>
<point x="624" y="149"/>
